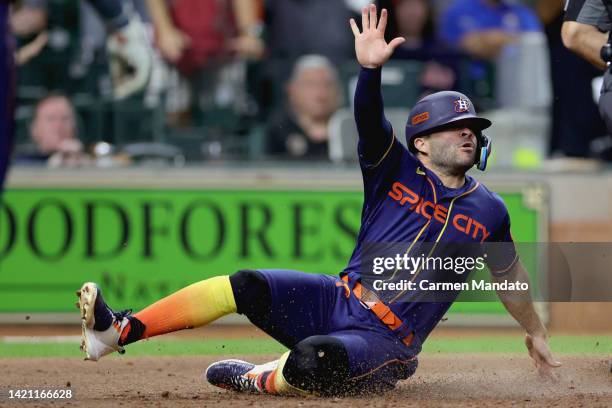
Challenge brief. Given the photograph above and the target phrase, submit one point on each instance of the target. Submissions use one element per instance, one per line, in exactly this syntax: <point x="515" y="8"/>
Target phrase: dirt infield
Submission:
<point x="464" y="380"/>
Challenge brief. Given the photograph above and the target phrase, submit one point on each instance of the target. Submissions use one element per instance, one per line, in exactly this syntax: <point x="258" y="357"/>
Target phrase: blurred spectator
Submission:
<point x="313" y="94"/>
<point x="482" y="28"/>
<point x="28" y="21"/>
<point x="28" y="17"/>
<point x="194" y="34"/>
<point x="54" y="135"/>
<point x="414" y="21"/>
<point x="297" y="27"/>
<point x="56" y="25"/>
<point x="575" y="118"/>
<point x="207" y="41"/>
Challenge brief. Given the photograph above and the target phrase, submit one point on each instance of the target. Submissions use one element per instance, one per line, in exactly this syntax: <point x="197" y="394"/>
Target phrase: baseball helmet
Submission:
<point x="438" y="110"/>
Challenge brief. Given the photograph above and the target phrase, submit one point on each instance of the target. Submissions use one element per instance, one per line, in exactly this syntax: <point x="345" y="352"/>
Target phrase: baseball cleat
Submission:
<point x="238" y="375"/>
<point x="100" y="326"/>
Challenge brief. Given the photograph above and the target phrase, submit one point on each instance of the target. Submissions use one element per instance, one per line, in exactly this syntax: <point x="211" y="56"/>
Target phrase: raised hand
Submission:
<point x="370" y="46"/>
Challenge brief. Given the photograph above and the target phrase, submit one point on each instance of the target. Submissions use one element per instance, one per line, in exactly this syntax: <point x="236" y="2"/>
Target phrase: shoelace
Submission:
<point x="123" y="313"/>
<point x="243" y="383"/>
<point x="118" y="316"/>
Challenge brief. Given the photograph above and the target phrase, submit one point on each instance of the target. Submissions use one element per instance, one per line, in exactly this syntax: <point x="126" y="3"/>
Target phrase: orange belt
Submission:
<point x="380" y="309"/>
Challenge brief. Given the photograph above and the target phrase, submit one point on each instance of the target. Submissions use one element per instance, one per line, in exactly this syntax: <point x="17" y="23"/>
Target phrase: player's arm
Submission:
<point x="520" y="305"/>
<point x="375" y="132"/>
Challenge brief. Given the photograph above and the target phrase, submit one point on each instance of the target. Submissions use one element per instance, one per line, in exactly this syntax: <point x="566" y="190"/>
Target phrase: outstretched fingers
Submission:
<point x="354" y="27"/>
<point x="373" y="17"/>
<point x="382" y="22"/>
<point x="365" y="19"/>
<point x="397" y="41"/>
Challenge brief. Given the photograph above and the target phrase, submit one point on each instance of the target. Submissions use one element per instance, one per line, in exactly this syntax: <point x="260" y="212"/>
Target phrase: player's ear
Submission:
<point x="421" y="144"/>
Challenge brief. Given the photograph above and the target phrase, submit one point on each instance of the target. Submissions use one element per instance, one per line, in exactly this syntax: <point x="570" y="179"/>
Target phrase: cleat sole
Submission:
<point x="96" y="343"/>
<point x="87" y="300"/>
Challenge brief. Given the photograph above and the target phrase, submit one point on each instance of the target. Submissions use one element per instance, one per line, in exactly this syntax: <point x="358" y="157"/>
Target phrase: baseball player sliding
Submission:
<point x="342" y="338"/>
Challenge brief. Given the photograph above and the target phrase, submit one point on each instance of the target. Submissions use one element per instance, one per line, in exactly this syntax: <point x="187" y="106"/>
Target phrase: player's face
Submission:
<point x="453" y="148"/>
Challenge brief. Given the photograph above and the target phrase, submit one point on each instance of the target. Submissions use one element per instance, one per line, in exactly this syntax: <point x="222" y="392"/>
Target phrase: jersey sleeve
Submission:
<point x="374" y="130"/>
<point x="380" y="153"/>
<point x="377" y="180"/>
<point x="499" y="248"/>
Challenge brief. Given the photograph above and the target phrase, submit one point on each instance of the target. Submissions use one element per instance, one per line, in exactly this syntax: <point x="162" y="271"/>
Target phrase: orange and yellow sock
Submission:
<point x="193" y="306"/>
<point x="273" y="382"/>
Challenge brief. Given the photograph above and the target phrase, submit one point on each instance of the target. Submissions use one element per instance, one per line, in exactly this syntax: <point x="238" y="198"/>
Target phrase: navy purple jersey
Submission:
<point x="406" y="206"/>
<point x="7" y="91"/>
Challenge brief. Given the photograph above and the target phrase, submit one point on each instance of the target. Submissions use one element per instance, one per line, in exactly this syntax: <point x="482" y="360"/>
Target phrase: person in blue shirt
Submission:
<point x="481" y="28"/>
<point x="342" y="336"/>
<point x="415" y="22"/>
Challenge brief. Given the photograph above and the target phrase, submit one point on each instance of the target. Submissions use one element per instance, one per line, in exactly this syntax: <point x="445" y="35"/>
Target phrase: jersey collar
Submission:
<point x="442" y="190"/>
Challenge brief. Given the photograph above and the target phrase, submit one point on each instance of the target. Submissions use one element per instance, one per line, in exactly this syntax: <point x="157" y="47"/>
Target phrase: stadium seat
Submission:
<point x="400" y="82"/>
<point x="343" y="132"/>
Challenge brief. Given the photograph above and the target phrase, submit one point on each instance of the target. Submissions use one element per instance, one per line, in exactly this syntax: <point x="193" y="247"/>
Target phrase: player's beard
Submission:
<point x="451" y="159"/>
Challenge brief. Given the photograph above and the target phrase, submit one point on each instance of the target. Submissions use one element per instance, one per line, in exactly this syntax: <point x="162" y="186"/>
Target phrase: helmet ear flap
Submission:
<point x="484" y="151"/>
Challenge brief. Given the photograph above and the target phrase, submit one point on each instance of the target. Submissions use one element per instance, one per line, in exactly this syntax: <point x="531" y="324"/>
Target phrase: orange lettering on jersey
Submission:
<point x="440" y="213"/>
<point x="397" y="193"/>
<point x="468" y="227"/>
<point x="426" y="205"/>
<point x="456" y="220"/>
<point x="462" y="223"/>
<point x="477" y="228"/>
<point x="411" y="198"/>
<point x="419" y="207"/>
